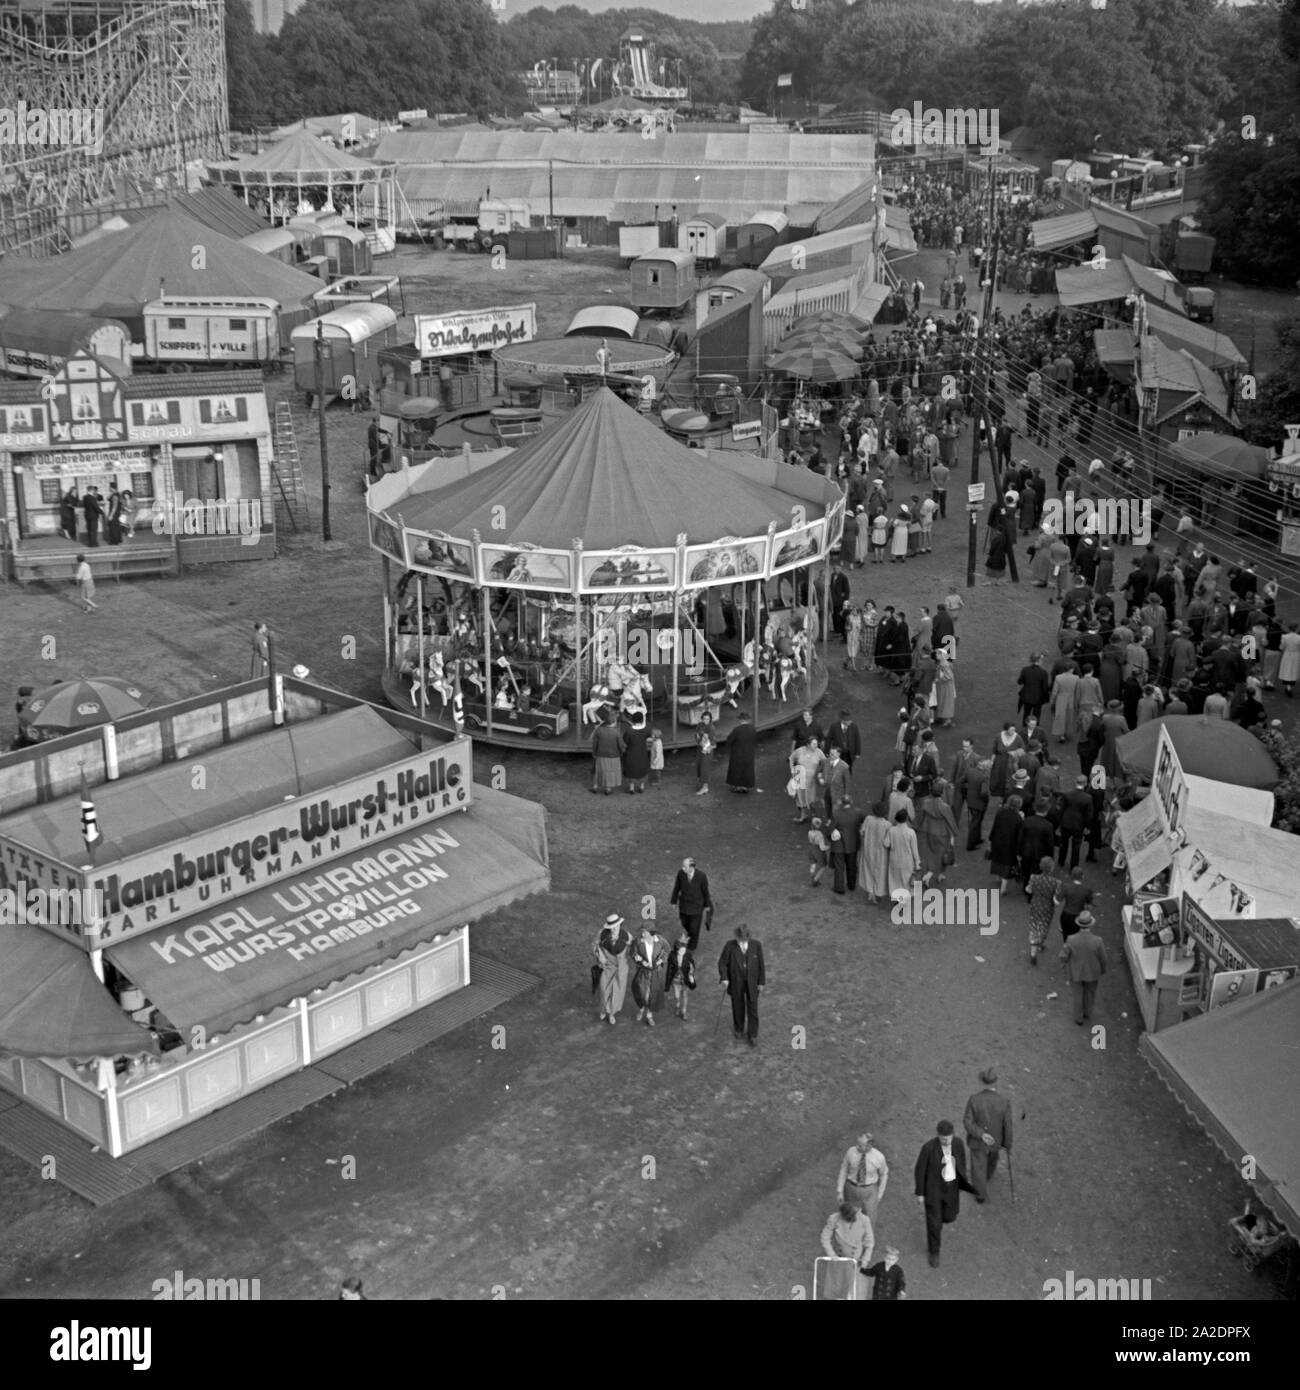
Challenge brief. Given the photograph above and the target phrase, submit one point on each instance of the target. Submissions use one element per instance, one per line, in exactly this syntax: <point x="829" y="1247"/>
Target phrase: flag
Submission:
<point x="89" y="820"/>
<point x="785" y="79"/>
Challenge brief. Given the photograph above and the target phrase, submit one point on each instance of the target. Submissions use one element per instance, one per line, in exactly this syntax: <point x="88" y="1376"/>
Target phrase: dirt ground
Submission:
<point x="586" y="1162"/>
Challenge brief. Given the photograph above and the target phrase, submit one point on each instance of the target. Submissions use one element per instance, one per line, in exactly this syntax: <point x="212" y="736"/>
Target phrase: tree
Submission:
<point x="252" y="78"/>
<point x="794" y="41"/>
<point x="892" y="47"/>
<point x="1278" y="405"/>
<point x="1251" y="205"/>
<point x="1174" y="36"/>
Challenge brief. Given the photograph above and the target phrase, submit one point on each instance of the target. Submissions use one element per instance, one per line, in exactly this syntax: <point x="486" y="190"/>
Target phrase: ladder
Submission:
<point x="286" y="471"/>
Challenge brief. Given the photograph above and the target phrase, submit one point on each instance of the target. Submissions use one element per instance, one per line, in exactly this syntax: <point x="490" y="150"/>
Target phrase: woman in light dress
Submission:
<point x="863" y="544"/>
<point x="904" y="854"/>
<point x="870" y="622"/>
<point x="852" y="638"/>
<point x="879" y="538"/>
<point x="806" y="765"/>
<point x="898" y="545"/>
<point x="945" y="690"/>
<point x="1288" y="667"/>
<point x="873" y="857"/>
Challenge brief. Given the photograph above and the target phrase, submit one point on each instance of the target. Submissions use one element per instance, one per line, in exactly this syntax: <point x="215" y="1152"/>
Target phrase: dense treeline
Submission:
<point x="1136" y="75"/>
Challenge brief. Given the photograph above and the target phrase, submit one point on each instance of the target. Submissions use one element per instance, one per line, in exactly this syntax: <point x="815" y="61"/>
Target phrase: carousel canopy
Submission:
<point x="299" y="158"/>
<point x="608" y="477"/>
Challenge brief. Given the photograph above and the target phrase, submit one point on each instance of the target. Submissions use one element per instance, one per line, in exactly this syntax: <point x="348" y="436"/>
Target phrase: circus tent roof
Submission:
<point x="607" y="477"/>
<point x="119" y="273"/>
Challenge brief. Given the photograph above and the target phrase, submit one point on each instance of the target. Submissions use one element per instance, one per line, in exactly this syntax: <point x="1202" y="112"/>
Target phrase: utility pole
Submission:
<point x="324" y="437"/>
<point x="981" y="377"/>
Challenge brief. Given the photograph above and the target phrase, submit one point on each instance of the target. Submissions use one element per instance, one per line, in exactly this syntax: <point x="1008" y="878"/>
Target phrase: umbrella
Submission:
<point x="820" y="338"/>
<point x="81" y="704"/>
<point x="1212" y="748"/>
<point x="1223" y="454"/>
<point x="814" y="364"/>
<point x="53" y="1005"/>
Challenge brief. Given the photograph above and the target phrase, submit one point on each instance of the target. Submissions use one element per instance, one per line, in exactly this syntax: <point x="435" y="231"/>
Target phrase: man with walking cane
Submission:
<point x="987" y="1122"/>
<point x="742" y="975"/>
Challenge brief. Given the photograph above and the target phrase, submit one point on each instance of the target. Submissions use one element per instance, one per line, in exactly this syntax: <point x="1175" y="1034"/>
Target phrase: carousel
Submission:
<point x="601" y="572"/>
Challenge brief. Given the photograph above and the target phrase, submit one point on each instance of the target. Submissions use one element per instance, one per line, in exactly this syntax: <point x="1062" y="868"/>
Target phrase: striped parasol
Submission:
<point x="818" y="336"/>
<point x="814" y="364"/>
<point x="81" y="704"/>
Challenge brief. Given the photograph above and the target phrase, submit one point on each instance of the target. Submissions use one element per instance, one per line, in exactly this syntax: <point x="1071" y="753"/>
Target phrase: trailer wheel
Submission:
<point x="543" y="731"/>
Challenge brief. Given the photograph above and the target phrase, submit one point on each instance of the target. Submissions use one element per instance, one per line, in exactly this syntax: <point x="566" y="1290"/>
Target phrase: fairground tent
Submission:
<point x="1237" y="1072"/>
<point x="1210" y="748"/>
<point x="1116" y="279"/>
<point x="118" y="275"/>
<point x="300" y="157"/>
<point x="610" y="478"/>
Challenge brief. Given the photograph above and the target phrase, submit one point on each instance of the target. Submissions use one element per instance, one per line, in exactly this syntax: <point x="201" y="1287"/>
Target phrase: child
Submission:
<point x="890" y="1284"/>
<point x="818" y="853"/>
<point x="704" y="746"/>
<point x="85" y="582"/>
<point x="879" y="535"/>
<point x="656" y="756"/>
<point x="953" y="601"/>
<point x="681" y="975"/>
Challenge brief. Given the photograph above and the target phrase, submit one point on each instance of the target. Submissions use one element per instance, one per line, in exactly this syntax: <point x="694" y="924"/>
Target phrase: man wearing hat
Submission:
<point x="1076" y="816"/>
<point x="1085" y="957"/>
<point x="940" y="1180"/>
<point x="863" y="1177"/>
<point x="987" y="1122"/>
<point x="1035" y="686"/>
<point x="742" y="974"/>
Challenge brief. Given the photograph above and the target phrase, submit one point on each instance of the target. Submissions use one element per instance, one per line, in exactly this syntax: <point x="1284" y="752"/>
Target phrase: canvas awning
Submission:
<point x="290" y="943"/>
<point x="1051" y="233"/>
<point x="1211" y="748"/>
<point x="52" y="1004"/>
<point x="1222" y="455"/>
<point x="1236" y="1070"/>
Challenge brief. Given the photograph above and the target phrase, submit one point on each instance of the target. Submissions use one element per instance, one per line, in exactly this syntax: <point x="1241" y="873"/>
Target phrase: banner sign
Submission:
<point x="1169" y="790"/>
<point x="150" y="890"/>
<point x="1146" y="843"/>
<point x="480" y="330"/>
<point x="81" y="461"/>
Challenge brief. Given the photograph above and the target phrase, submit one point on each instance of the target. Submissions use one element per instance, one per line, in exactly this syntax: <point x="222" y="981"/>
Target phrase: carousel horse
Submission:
<point x="438" y="678"/>
<point x="787" y="671"/>
<point x="594" y="709"/>
<point x="749" y="654"/>
<point x="800" y="652"/>
<point x="410" y="671"/>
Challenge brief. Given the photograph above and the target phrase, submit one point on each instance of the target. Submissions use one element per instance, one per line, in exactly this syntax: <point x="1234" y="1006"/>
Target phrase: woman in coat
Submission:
<point x="873" y="857"/>
<point x="995" y="556"/>
<point x="870" y="631"/>
<point x="741" y="748"/>
<point x="1113" y="727"/>
<point x="1004" y="840"/>
<point x="900" y="651"/>
<point x="704" y="749"/>
<point x="945" y="690"/>
<point x="613" y="951"/>
<point x="1006" y="747"/>
<point x="898" y="543"/>
<point x="904" y="854"/>
<point x="636" y="757"/>
<point x="649" y="965"/>
<point x="806" y="765"/>
<point x="1063" y="700"/>
<point x="607" y="745"/>
<point x="936" y="831"/>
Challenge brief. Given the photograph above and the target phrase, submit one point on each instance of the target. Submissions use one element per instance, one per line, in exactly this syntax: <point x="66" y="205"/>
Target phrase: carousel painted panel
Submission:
<point x="526" y="567"/>
<point x="386" y="536"/>
<point x="727" y="561"/>
<point x="835" y="524"/>
<point x="801" y="545"/>
<point x="629" y="568"/>
<point x="432" y="552"/>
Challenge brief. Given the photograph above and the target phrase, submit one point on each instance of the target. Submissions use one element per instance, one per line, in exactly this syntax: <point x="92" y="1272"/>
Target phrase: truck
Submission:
<point x="1193" y="254"/>
<point x="486" y="227"/>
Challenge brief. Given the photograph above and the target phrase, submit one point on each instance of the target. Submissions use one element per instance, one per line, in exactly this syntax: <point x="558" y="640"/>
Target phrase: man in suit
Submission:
<point x="1076" y="817"/>
<point x="835" y="771"/>
<point x="923" y="766"/>
<point x="741" y="973"/>
<point x="1085" y="957"/>
<point x="966" y="759"/>
<point x="841" y="594"/>
<point x="806" y="727"/>
<point x="1035" y="686"/>
<point x="91" y="506"/>
<point x="1036" y="841"/>
<point x="847" y="819"/>
<point x="845" y="736"/>
<point x="691" y="899"/>
<point x="940" y="1181"/>
<point x="987" y="1123"/>
<point x="977" y="800"/>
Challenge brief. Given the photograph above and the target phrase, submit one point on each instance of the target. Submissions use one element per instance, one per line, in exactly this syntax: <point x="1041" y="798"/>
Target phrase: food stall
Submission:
<point x="194" y="451"/>
<point x="314" y="887"/>
<point x="1284" y="484"/>
<point x="1206" y="843"/>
